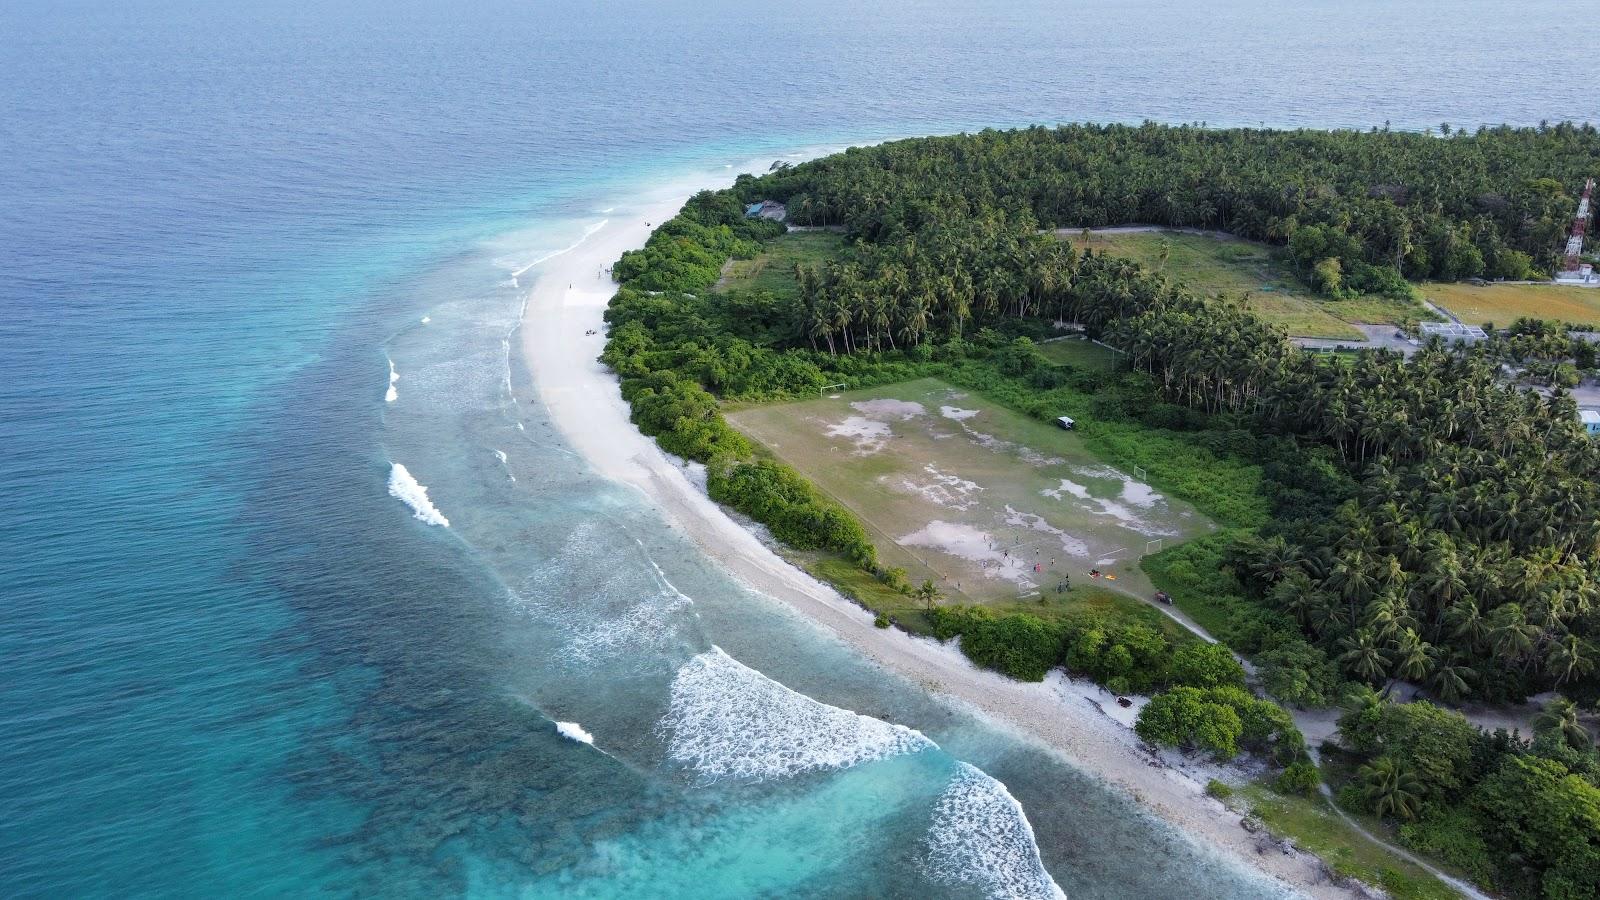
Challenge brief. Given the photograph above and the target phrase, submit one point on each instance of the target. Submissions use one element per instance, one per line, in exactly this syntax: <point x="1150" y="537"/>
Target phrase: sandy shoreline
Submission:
<point x="569" y="299"/>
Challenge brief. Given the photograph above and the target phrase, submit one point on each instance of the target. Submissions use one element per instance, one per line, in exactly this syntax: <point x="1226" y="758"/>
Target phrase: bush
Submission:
<point x="1186" y="717"/>
<point x="1452" y="834"/>
<point x="1205" y="665"/>
<point x="882" y="621"/>
<point x="785" y="502"/>
<point x="1019" y="645"/>
<point x="1219" y="790"/>
<point x="1299" y="778"/>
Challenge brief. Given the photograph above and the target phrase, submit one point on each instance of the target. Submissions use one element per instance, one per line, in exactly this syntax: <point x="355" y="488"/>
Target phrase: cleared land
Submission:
<point x="994" y="507"/>
<point x="773" y="268"/>
<point x="1250" y="273"/>
<point x="1504" y="303"/>
<point x="1081" y="353"/>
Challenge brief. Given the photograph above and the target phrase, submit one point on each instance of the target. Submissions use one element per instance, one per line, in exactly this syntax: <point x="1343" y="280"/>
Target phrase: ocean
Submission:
<point x="261" y="267"/>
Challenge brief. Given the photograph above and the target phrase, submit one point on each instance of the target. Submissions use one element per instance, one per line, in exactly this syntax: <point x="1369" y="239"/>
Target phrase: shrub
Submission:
<point x="1185" y="717"/>
<point x="785" y="502"/>
<point x="1020" y="645"/>
<point x="1219" y="790"/>
<point x="1298" y="778"/>
<point x="1205" y="665"/>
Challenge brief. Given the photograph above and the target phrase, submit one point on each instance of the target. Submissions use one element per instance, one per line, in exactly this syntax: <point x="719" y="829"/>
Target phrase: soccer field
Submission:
<point x="988" y="503"/>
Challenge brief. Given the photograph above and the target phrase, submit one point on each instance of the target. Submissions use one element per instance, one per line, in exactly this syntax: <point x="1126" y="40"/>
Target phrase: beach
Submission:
<point x="567" y="302"/>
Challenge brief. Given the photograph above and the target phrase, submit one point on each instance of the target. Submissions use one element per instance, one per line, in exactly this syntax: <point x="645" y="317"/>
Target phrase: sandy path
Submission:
<point x="570" y="297"/>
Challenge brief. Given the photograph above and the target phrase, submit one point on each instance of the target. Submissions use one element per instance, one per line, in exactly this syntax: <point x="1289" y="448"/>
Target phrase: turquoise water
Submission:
<point x="232" y="664"/>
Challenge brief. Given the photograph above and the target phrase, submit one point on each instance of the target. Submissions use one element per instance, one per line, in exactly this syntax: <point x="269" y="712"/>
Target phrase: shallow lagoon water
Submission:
<point x="234" y="664"/>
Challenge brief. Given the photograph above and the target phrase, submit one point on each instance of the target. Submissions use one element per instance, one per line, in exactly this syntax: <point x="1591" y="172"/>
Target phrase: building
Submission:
<point x="1453" y="331"/>
<point x="1591" y="421"/>
<point x="766" y="209"/>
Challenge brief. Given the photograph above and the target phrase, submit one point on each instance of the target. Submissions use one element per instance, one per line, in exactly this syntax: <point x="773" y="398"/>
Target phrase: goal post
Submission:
<point x="823" y="391"/>
<point x="1140" y="473"/>
<point x="1152" y="546"/>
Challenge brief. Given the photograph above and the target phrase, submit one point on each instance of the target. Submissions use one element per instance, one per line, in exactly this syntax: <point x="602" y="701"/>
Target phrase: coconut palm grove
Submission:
<point x="1396" y="527"/>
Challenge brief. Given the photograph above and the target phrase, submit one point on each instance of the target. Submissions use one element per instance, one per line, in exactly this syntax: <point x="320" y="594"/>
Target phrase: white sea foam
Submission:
<point x="426" y="320"/>
<point x="726" y="719"/>
<point x="572" y="731"/>
<point x="406" y="489"/>
<point x="981" y="837"/>
<point x="392" y="395"/>
<point x="587" y="233"/>
<point x="506" y="462"/>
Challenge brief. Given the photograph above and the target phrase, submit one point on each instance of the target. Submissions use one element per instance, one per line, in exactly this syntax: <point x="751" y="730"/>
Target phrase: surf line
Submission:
<point x="587" y="233"/>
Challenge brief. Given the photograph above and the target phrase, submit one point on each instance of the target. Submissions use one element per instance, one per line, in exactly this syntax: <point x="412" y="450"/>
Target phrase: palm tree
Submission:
<point x="1362" y="657"/>
<point x="1452" y="682"/>
<point x="1569" y="658"/>
<point x="1390" y="789"/>
<point x="1560" y="715"/>
<point x="1412" y="660"/>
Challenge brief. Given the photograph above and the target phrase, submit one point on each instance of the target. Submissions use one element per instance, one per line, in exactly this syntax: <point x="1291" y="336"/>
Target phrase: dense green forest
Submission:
<point x="1412" y="521"/>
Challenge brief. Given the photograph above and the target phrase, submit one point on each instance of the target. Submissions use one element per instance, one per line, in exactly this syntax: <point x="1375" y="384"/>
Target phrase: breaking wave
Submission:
<point x="394" y="377"/>
<point x="725" y="719"/>
<point x="980" y="837"/>
<point x="587" y="233"/>
<point x="406" y="489"/>
<point x="572" y="731"/>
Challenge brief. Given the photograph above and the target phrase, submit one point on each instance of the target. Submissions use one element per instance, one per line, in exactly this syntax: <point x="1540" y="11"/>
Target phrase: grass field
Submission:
<point x="1080" y="352"/>
<point x="993" y="506"/>
<point x="773" y="269"/>
<point x="1249" y="272"/>
<point x="1313" y="826"/>
<point x="1504" y="303"/>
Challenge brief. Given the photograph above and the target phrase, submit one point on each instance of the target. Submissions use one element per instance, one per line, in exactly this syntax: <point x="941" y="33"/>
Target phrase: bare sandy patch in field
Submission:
<point x="973" y="545"/>
<point x="869" y="435"/>
<point x="886" y="407"/>
<point x="1069" y="544"/>
<point x="940" y="488"/>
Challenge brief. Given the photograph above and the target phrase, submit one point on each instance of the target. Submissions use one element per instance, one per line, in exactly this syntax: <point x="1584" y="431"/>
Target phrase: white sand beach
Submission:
<point x="569" y="299"/>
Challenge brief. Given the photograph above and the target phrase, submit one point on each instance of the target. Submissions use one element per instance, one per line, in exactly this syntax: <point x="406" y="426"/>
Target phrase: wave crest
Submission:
<point x="572" y="731"/>
<point x="981" y="837"/>
<point x="727" y="719"/>
<point x="392" y="395"/>
<point x="404" y="488"/>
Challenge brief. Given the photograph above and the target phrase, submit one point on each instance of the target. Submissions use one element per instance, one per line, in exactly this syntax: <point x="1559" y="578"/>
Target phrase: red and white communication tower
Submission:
<point x="1580" y="224"/>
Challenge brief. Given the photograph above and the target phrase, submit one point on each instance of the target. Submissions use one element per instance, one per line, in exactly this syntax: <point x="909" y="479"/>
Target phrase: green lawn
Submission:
<point x="1252" y="274"/>
<point x="1080" y="353"/>
<point x="773" y="269"/>
<point x="1314" y="827"/>
<point x="1504" y="303"/>
<point x="910" y="614"/>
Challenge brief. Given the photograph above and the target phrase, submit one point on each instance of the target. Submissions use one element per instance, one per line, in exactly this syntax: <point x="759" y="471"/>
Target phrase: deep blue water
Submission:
<point x="232" y="664"/>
